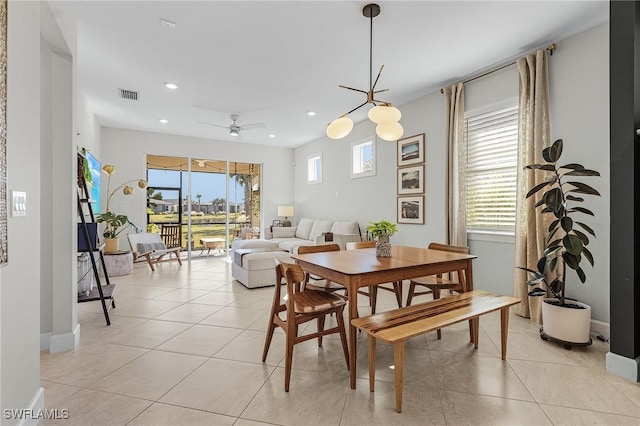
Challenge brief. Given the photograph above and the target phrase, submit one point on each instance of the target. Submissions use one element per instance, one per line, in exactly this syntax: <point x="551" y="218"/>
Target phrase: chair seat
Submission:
<point x="309" y="302"/>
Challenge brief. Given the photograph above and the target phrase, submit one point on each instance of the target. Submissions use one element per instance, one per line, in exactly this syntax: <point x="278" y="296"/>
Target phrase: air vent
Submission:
<point x="128" y="94"/>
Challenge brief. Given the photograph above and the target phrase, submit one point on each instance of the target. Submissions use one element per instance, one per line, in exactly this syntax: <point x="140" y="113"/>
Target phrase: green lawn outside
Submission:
<point x="211" y="225"/>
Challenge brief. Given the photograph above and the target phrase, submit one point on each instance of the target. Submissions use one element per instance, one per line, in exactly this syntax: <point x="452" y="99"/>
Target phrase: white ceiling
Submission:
<point x="271" y="62"/>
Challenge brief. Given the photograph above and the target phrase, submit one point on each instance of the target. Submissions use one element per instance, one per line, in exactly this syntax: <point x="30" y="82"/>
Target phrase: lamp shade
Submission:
<point x="390" y="132"/>
<point x="384" y="114"/>
<point x="285" y="211"/>
<point x="339" y="128"/>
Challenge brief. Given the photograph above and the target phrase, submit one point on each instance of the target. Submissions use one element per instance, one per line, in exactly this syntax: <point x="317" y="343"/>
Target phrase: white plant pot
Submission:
<point x="566" y="324"/>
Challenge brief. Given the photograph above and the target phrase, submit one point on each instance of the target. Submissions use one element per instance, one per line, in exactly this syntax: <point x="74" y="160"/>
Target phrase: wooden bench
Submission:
<point x="398" y="325"/>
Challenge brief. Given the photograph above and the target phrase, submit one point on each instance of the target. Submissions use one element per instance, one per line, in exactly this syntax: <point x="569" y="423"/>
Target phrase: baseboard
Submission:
<point x="64" y="342"/>
<point x="623" y="366"/>
<point x="600" y="328"/>
<point x="45" y="340"/>
<point x="33" y="413"/>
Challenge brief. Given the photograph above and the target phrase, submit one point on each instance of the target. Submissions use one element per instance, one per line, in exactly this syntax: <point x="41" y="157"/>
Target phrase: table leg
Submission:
<point x="504" y="330"/>
<point x="353" y="313"/>
<point x="469" y="287"/>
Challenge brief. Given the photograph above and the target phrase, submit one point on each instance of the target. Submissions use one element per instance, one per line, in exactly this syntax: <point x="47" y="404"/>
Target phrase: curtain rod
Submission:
<point x="551" y="48"/>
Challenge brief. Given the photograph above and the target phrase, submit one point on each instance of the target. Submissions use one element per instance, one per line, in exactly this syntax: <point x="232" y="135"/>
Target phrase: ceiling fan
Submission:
<point x="235" y="128"/>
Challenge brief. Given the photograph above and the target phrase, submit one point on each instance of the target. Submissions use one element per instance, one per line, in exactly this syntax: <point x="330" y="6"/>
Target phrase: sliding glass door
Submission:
<point x="205" y="199"/>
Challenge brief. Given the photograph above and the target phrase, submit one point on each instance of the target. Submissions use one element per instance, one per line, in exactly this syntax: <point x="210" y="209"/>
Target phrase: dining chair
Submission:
<point x="436" y="283"/>
<point x="372" y="292"/>
<point x="320" y="283"/>
<point x="301" y="305"/>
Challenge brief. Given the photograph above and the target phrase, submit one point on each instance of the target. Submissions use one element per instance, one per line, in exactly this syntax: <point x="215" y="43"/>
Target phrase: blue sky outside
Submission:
<point x="209" y="185"/>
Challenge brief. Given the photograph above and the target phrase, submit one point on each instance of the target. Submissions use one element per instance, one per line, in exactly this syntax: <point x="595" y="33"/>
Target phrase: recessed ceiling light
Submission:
<point x="163" y="121"/>
<point x="272" y="136"/>
<point x="311" y="113"/>
<point x="171" y="86"/>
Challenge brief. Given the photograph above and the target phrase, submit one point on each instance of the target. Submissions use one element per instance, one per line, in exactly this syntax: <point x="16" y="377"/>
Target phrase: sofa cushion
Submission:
<point x="320" y="227"/>
<point x="304" y="228"/>
<point x="264" y="260"/>
<point x="345" y="228"/>
<point x="256" y="243"/>
<point x="284" y="232"/>
<point x="292" y="245"/>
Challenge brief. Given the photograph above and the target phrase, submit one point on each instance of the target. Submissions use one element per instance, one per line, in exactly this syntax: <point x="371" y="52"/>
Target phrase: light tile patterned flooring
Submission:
<point x="185" y="346"/>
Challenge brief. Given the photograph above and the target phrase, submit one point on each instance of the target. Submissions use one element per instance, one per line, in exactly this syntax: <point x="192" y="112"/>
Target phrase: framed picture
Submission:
<point x="411" y="150"/>
<point x="411" y="180"/>
<point x="411" y="209"/>
<point x="276" y="223"/>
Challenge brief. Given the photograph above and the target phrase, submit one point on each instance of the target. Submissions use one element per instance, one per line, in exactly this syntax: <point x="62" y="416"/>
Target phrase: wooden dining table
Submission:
<point x="360" y="268"/>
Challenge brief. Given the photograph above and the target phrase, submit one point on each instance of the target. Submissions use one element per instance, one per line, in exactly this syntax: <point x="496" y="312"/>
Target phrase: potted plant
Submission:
<point x="382" y="231"/>
<point x="114" y="225"/>
<point x="565" y="320"/>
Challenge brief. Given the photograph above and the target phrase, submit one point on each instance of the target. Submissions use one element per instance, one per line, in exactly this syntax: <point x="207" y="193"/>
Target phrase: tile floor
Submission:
<point x="185" y="346"/>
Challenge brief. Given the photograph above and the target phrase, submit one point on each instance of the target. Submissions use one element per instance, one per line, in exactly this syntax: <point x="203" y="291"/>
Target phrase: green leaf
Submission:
<point x="573" y="244"/>
<point x="573" y="166"/>
<point x="586" y="228"/>
<point x="556" y="151"/>
<point x="551" y="249"/>
<point x="588" y="255"/>
<point x="572" y="198"/>
<point x="571" y="260"/>
<point x="581" y="275"/>
<point x="553" y="224"/>
<point x="539" y="203"/>
<point x="583" y="237"/>
<point x="536" y="188"/>
<point x="533" y="166"/>
<point x="551" y="235"/>
<point x="567" y="223"/>
<point x="542" y="262"/>
<point x="582" y="188"/>
<point x="556" y="285"/>
<point x="546" y="154"/>
<point x="546" y="210"/>
<point x="581" y="210"/>
<point x="553" y="199"/>
<point x="583" y="172"/>
<point x="551" y="266"/>
<point x="536" y="280"/>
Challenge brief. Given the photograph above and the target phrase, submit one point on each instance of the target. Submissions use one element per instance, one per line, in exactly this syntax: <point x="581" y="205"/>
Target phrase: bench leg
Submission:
<point x="398" y="360"/>
<point x="504" y="330"/>
<point x="475" y="330"/>
<point x="372" y="362"/>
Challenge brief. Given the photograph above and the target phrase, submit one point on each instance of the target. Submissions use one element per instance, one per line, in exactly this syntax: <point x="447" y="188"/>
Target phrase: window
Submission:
<point x="363" y="161"/>
<point x="314" y="169"/>
<point x="491" y="170"/>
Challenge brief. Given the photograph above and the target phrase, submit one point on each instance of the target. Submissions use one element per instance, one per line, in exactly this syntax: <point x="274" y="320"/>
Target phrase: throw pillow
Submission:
<point x="345" y="228"/>
<point x="304" y="228"/>
<point x="319" y="227"/>
<point x="284" y="232"/>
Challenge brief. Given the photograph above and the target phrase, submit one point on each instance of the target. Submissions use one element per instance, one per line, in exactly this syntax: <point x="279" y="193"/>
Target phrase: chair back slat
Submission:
<point x="461" y="276"/>
<point x="318" y="249"/>
<point x="364" y="244"/>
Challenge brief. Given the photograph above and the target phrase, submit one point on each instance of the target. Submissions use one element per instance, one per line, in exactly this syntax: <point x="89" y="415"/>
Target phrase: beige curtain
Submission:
<point x="534" y="135"/>
<point x="456" y="158"/>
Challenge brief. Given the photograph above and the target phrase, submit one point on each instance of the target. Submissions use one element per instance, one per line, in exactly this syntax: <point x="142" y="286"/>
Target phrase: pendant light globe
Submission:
<point x="384" y="114"/>
<point x="390" y="132"/>
<point x="339" y="128"/>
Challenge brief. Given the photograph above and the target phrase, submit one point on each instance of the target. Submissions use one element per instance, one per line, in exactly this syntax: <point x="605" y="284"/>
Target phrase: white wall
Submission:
<point x="127" y="150"/>
<point x="579" y="114"/>
<point x="20" y="278"/>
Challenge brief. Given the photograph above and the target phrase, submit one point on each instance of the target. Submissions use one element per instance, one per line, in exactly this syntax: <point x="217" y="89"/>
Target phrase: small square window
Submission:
<point x="314" y="169"/>
<point x="363" y="158"/>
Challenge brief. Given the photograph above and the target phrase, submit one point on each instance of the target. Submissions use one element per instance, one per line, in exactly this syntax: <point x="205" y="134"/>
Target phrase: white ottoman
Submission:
<point x="256" y="267"/>
<point x="253" y="244"/>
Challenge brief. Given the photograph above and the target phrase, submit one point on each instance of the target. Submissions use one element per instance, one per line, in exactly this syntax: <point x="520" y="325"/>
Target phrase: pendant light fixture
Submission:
<point x="385" y="115"/>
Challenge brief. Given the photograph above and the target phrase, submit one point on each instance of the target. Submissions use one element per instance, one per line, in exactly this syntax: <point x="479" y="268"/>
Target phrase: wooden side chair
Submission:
<point x="320" y="283"/>
<point x="152" y="248"/>
<point x="436" y="283"/>
<point x="300" y="306"/>
<point x="372" y="292"/>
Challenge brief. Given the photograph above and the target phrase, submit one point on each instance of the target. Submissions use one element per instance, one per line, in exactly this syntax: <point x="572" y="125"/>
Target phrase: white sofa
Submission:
<point x="254" y="260"/>
<point x="310" y="232"/>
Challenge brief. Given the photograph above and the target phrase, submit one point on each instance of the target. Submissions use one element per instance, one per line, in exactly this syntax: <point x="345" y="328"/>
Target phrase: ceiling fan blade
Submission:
<point x="252" y="126"/>
<point x="214" y="125"/>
